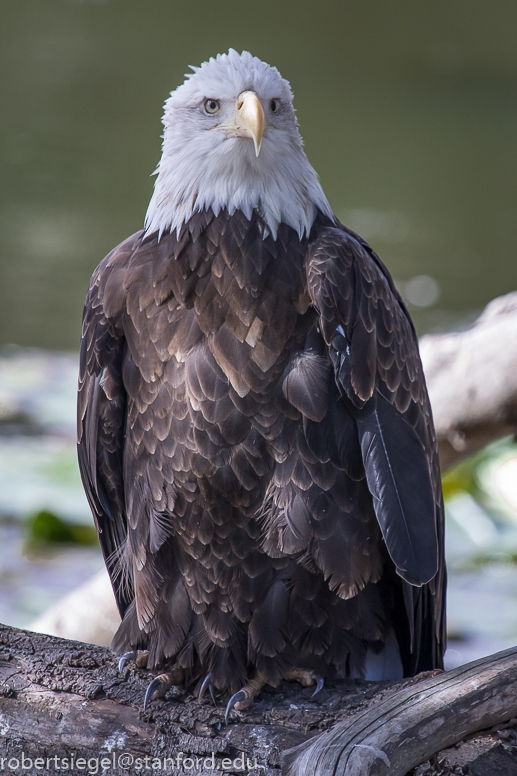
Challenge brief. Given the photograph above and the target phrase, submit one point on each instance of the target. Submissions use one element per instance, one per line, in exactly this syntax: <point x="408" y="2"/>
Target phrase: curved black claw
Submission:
<point x="126" y="657"/>
<point x="155" y="686"/>
<point x="319" y="684"/>
<point x="203" y="687"/>
<point x="207" y="682"/>
<point x="236" y="698"/>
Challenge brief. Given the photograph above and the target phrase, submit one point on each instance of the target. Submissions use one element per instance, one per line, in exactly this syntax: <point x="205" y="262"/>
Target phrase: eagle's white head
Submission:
<point x="231" y="141"/>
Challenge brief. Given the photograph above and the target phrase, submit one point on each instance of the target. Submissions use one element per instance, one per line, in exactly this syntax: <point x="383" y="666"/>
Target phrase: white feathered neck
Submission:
<point x="201" y="169"/>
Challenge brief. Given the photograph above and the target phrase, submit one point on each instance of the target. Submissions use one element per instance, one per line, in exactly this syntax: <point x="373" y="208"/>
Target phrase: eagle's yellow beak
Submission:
<point x="249" y="119"/>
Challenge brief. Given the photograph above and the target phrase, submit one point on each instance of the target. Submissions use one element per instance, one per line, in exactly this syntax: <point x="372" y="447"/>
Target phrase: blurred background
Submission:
<point x="409" y="115"/>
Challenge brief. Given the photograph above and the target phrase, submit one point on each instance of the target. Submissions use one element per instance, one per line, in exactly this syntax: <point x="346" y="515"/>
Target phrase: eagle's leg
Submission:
<point x="140" y="657"/>
<point x="242" y="699"/>
<point x="305" y="677"/>
<point x="162" y="683"/>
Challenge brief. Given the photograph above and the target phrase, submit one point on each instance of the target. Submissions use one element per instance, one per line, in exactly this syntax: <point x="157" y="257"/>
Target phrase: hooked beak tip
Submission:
<point x="250" y="117"/>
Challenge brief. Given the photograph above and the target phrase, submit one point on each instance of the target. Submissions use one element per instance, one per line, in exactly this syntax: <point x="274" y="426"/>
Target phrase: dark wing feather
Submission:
<point x="398" y="477"/>
<point x="101" y="413"/>
<point x="397" y="468"/>
<point x="374" y="351"/>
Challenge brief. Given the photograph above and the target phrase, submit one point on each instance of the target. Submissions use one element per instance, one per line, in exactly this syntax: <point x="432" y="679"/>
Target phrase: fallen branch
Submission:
<point x="409" y="726"/>
<point x="62" y="699"/>
<point x="472" y="381"/>
<point x="66" y="699"/>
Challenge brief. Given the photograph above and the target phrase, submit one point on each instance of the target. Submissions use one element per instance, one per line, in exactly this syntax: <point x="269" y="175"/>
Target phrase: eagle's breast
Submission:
<point x="214" y="321"/>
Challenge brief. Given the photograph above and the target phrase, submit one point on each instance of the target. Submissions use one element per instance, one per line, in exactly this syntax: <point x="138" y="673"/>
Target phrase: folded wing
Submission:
<point x="373" y="348"/>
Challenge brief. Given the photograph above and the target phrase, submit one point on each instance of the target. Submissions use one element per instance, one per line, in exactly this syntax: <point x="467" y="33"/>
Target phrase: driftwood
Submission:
<point x="410" y="726"/>
<point x="472" y="381"/>
<point x="63" y="701"/>
<point x="62" y="698"/>
<point x="88" y="613"/>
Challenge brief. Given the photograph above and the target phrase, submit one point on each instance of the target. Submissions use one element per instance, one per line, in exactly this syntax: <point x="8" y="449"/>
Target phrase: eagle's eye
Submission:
<point x="211" y="106"/>
<point x="274" y="105"/>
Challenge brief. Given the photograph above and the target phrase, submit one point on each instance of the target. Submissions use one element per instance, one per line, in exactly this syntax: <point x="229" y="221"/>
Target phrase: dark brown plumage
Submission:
<point x="257" y="447"/>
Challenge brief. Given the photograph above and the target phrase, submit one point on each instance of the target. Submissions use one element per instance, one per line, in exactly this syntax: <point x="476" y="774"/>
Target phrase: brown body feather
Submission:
<point x="220" y="448"/>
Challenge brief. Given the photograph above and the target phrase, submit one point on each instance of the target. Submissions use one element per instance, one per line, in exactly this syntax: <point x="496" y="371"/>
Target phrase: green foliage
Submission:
<point x="44" y="527"/>
<point x="469" y="475"/>
<point x="481" y="516"/>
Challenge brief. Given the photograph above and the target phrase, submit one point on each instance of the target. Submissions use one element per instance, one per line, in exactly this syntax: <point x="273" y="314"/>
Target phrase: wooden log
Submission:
<point x="410" y="725"/>
<point x="63" y="699"/>
<point x="88" y="613"/>
<point x="472" y="381"/>
<point x="66" y="700"/>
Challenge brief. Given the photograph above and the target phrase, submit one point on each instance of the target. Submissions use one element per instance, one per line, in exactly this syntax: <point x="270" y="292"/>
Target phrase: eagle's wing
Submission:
<point x="374" y="351"/>
<point x="101" y="415"/>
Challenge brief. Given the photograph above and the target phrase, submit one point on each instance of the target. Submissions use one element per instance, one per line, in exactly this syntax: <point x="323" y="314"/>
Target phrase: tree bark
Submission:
<point x="66" y="699"/>
<point x="409" y="726"/>
<point x="61" y="701"/>
<point x="472" y="381"/>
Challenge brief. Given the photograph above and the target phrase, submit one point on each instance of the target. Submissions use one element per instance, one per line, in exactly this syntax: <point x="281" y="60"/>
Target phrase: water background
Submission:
<point x="408" y="111"/>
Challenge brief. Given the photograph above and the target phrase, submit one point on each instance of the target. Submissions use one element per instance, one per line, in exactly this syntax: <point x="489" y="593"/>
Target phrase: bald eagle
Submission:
<point x="255" y="436"/>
